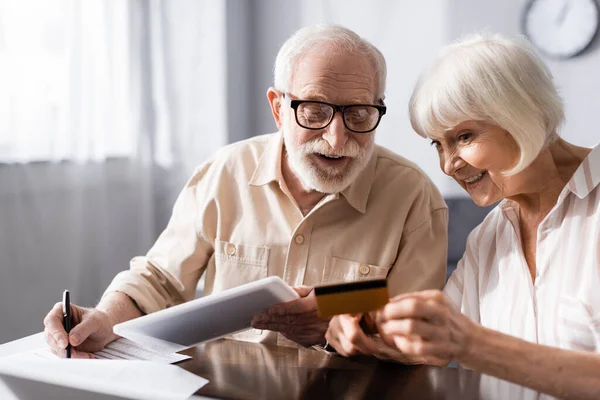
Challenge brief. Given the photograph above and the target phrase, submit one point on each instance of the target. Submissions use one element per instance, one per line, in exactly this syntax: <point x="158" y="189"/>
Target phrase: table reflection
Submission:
<point x="242" y="370"/>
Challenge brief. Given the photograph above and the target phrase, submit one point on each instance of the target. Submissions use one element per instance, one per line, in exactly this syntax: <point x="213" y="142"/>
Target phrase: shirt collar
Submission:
<point x="269" y="170"/>
<point x="357" y="194"/>
<point x="269" y="165"/>
<point x="587" y="176"/>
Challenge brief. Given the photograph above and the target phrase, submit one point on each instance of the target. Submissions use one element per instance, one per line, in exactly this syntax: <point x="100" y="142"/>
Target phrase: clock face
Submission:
<point x="561" y="28"/>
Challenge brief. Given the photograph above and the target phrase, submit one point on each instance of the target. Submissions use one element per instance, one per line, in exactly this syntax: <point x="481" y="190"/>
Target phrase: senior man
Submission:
<point x="316" y="203"/>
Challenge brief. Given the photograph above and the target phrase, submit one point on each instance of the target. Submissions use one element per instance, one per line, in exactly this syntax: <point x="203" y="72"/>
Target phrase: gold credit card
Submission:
<point x="351" y="298"/>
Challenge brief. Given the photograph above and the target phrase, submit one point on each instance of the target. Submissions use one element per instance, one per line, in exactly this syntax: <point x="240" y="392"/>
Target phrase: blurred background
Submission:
<point x="106" y="106"/>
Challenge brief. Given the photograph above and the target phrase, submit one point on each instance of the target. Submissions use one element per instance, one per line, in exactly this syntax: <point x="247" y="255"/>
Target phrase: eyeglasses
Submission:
<point x="315" y="115"/>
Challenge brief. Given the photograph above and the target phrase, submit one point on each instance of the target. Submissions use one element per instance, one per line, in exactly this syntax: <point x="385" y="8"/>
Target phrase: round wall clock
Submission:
<point x="561" y="28"/>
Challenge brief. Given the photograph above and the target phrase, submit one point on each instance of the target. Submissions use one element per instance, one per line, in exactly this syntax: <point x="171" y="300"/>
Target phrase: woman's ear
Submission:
<point x="274" y="97"/>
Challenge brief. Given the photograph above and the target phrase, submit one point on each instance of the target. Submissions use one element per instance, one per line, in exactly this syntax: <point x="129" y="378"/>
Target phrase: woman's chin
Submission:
<point x="482" y="198"/>
<point x="483" y="192"/>
<point x="484" y="201"/>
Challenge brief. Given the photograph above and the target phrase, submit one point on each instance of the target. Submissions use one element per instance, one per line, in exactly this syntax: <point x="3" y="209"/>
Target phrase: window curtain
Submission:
<point x="105" y="108"/>
<point x="66" y="79"/>
<point x="87" y="80"/>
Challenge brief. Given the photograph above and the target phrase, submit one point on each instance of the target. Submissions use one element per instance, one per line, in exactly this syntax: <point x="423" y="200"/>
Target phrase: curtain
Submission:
<point x="65" y="74"/>
<point x="79" y="80"/>
<point x="105" y="108"/>
<point x="188" y="75"/>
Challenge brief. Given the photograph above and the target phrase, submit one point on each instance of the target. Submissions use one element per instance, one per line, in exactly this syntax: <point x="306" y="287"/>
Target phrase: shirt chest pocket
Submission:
<point x="577" y="330"/>
<point x="338" y="270"/>
<point x="237" y="264"/>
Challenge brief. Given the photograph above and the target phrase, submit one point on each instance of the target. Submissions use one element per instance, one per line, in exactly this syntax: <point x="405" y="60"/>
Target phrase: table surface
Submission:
<point x="242" y="370"/>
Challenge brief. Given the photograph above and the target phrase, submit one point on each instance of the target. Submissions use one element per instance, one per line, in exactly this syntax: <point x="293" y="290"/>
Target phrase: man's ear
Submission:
<point x="275" y="103"/>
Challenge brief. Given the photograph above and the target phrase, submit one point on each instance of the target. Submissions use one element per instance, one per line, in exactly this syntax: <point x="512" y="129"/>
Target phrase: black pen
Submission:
<point x="66" y="308"/>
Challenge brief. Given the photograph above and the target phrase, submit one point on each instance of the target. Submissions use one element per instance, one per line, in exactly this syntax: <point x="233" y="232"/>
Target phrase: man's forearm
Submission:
<point x="119" y="307"/>
<point x="558" y="372"/>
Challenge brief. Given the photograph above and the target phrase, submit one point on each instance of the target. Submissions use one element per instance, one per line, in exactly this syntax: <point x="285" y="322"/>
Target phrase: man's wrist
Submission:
<point x="118" y="307"/>
<point x="325" y="347"/>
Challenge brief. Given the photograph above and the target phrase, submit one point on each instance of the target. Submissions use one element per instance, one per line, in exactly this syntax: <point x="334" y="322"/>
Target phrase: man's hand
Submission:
<point x="297" y="320"/>
<point x="347" y="336"/>
<point x="92" y="330"/>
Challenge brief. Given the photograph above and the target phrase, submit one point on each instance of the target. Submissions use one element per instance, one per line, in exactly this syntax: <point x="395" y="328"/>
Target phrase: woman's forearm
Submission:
<point x="558" y="372"/>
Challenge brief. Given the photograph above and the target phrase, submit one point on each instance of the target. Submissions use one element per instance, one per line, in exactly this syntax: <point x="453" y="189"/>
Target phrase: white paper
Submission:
<point x="132" y="379"/>
<point x="120" y="349"/>
<point x="125" y="349"/>
<point x="162" y="346"/>
<point x="43" y="353"/>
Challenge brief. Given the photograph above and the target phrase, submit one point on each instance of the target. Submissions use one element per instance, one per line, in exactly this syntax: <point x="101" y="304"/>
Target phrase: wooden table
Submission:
<point x="241" y="370"/>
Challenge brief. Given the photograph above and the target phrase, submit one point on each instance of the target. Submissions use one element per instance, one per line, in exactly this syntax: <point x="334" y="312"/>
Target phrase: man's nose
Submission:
<point x="336" y="134"/>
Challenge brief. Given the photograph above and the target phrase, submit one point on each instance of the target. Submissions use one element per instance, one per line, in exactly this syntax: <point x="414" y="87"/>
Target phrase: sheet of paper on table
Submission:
<point x="121" y="349"/>
<point x="124" y="378"/>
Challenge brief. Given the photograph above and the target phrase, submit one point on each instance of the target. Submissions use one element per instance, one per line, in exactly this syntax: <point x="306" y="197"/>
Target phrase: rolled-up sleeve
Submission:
<point x="169" y="273"/>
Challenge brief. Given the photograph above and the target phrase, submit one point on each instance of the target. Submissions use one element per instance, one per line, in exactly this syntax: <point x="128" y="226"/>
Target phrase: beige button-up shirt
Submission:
<point x="561" y="307"/>
<point x="235" y="220"/>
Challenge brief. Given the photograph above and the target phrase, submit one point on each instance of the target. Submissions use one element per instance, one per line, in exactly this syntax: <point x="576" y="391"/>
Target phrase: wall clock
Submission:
<point x="561" y="28"/>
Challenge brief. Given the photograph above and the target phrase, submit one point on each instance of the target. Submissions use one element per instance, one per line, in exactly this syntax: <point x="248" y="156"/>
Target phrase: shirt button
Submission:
<point x="364" y="269"/>
<point x="299" y="239"/>
<point x="230" y="249"/>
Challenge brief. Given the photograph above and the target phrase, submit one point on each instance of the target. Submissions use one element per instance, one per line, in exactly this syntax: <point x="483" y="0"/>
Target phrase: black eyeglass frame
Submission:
<point x="294" y="104"/>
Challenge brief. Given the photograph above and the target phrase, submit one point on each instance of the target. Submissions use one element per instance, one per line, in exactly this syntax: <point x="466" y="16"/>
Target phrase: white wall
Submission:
<point x="578" y="79"/>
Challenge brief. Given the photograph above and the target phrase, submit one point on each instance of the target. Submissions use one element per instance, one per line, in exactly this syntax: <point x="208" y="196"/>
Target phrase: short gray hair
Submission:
<point x="330" y="37"/>
<point x="492" y="78"/>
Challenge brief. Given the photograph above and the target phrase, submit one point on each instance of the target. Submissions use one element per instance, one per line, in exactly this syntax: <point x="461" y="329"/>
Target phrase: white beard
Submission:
<point x="326" y="179"/>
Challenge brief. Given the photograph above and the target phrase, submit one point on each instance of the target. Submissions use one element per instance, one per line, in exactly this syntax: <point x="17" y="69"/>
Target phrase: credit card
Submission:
<point x="351" y="298"/>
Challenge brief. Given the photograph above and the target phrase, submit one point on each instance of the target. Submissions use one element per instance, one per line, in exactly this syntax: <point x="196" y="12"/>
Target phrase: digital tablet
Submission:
<point x="212" y="316"/>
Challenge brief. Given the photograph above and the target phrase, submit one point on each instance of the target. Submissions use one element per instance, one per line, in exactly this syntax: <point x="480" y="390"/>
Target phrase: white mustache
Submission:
<point x="320" y="146"/>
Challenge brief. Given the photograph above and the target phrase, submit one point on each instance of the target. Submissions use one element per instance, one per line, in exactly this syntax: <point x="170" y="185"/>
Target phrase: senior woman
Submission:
<point x="524" y="302"/>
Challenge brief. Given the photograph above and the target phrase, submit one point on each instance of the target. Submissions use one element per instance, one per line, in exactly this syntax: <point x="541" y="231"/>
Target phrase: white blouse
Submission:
<point x="492" y="284"/>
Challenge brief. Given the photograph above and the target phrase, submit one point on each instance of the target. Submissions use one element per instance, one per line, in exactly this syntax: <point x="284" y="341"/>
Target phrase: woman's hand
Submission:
<point x="426" y="325"/>
<point x="348" y="337"/>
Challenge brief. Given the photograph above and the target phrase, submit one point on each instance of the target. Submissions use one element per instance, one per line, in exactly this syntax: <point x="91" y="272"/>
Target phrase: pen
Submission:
<point x="66" y="308"/>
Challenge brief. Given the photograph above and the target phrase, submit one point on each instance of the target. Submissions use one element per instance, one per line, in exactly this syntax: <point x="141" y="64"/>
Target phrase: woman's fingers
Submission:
<point x="412" y="307"/>
<point x="348" y="338"/>
<point x="412" y="327"/>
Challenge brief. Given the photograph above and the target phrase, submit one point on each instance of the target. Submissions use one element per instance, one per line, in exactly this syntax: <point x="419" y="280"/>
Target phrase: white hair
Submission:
<point x="332" y="38"/>
<point x="495" y="79"/>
